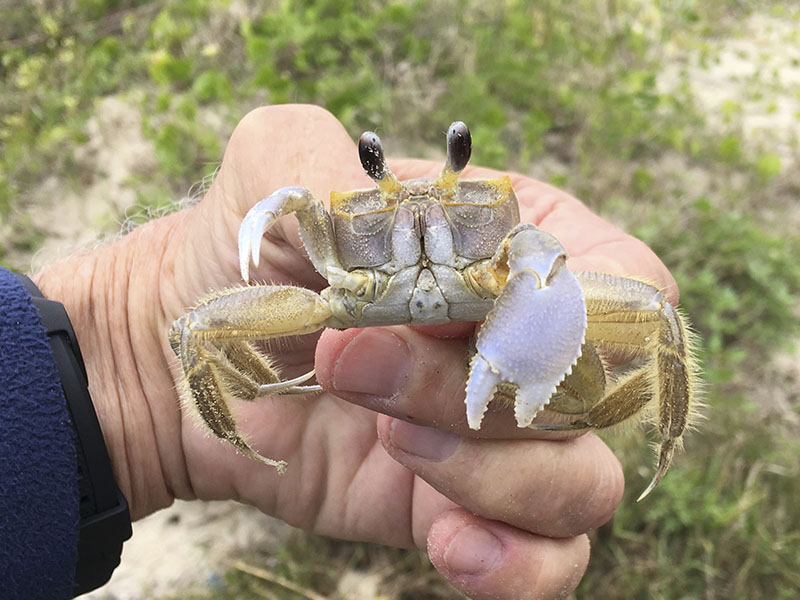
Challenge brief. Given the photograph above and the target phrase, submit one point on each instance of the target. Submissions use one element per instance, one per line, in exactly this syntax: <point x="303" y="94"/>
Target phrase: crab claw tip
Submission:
<point x="259" y="226"/>
<point x="530" y="401"/>
<point x="244" y="254"/>
<point x="481" y="386"/>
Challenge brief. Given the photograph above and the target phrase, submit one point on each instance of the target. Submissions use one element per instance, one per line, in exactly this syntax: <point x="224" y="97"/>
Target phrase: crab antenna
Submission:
<point x="370" y="151"/>
<point x="459" y="149"/>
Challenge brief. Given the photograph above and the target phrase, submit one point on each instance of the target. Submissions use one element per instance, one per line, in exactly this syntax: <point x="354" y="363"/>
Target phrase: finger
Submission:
<point x="552" y="488"/>
<point x="316" y="152"/>
<point x="596" y="245"/>
<point x="491" y="560"/>
<point x="402" y="372"/>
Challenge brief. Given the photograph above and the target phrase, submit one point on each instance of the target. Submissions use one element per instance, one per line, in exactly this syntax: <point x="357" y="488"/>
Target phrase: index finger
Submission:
<point x="405" y="373"/>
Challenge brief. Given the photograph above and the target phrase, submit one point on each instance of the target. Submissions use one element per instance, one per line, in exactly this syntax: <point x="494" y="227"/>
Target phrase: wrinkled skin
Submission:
<point x="385" y="453"/>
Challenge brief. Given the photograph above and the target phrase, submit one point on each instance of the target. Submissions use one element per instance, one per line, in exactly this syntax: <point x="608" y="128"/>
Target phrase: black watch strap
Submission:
<point x="105" y="521"/>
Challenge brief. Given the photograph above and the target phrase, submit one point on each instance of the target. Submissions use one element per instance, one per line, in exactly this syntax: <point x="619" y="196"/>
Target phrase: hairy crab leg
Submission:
<point x="632" y="319"/>
<point x="533" y="335"/>
<point x="626" y="314"/>
<point x="213" y="342"/>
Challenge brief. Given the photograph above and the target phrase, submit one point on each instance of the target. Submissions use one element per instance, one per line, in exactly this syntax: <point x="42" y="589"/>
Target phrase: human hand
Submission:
<point x="352" y="474"/>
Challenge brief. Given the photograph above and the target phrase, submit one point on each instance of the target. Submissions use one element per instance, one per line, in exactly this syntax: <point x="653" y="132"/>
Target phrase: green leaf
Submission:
<point x="165" y="68"/>
<point x="768" y="166"/>
<point x="730" y="149"/>
<point x="212" y="86"/>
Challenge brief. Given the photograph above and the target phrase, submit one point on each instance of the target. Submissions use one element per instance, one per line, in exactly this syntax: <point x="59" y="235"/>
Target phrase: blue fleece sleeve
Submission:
<point x="39" y="510"/>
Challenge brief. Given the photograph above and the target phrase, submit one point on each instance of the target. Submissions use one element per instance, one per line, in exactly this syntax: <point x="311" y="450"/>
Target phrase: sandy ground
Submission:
<point x="186" y="546"/>
<point x="755" y="75"/>
<point x="115" y="152"/>
<point x="190" y="544"/>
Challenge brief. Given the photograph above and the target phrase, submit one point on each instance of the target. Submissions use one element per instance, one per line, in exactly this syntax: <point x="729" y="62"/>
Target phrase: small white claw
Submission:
<point x="260" y="218"/>
<point x="255" y="223"/>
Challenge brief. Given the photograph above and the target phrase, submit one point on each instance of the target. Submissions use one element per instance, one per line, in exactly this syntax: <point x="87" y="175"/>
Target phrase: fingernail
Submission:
<point x="375" y="362"/>
<point x="473" y="551"/>
<point x="425" y="442"/>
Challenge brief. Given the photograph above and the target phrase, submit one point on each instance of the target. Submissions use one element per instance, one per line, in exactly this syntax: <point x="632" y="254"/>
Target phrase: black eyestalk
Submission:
<point x="459" y="146"/>
<point x="459" y="149"/>
<point x="370" y="151"/>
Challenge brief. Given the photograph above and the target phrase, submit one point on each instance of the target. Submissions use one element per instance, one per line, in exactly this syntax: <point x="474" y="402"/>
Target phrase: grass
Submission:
<point x="567" y="91"/>
<point x="307" y="567"/>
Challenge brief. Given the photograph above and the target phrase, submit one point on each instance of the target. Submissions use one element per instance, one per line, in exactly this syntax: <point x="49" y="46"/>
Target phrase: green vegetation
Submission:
<point x="567" y="90"/>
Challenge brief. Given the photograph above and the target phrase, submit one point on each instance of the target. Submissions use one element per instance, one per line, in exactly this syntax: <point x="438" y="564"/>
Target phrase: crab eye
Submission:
<point x="370" y="151"/>
<point x="459" y="146"/>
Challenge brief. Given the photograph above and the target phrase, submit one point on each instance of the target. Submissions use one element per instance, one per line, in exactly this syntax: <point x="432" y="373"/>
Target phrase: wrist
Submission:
<point x="113" y="302"/>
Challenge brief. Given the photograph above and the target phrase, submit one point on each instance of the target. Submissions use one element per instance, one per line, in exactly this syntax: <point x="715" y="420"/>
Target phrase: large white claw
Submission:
<point x="532" y="337"/>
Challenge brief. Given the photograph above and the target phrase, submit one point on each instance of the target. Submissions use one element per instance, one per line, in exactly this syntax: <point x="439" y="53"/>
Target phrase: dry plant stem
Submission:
<point x="110" y="297"/>
<point x="276" y="579"/>
<point x="267" y="595"/>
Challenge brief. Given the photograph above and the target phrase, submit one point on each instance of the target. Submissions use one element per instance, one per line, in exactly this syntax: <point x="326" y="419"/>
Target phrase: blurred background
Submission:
<point x="677" y="120"/>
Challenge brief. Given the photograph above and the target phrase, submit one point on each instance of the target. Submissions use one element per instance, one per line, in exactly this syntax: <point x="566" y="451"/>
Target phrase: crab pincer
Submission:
<point x="533" y="335"/>
<point x="315" y="228"/>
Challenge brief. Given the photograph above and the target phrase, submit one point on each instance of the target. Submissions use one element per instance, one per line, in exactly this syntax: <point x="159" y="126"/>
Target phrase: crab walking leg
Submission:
<point x="206" y="386"/>
<point x="316" y="229"/>
<point x="213" y="344"/>
<point x="253" y="374"/>
<point x="534" y="332"/>
<point x="634" y="318"/>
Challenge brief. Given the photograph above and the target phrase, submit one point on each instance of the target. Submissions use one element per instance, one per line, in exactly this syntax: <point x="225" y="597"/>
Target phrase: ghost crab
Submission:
<point x="427" y="251"/>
